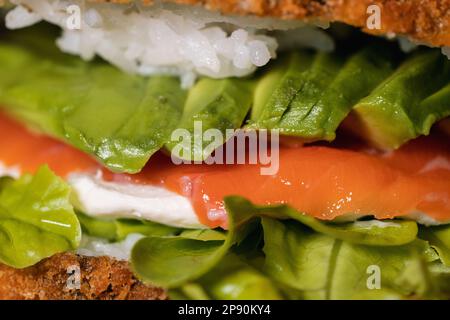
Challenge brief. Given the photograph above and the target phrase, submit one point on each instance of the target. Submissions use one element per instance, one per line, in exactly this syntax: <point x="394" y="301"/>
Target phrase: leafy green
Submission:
<point x="173" y="261"/>
<point x="324" y="93"/>
<point x="441" y="279"/>
<point x="101" y="228"/>
<point x="125" y="227"/>
<point x="439" y="238"/>
<point x="190" y="291"/>
<point x="204" y="234"/>
<point x="392" y="233"/>
<point x="298" y="257"/>
<point x="212" y="107"/>
<point x="322" y="267"/>
<point x="5" y="181"/>
<point x="407" y="103"/>
<point x="118" y="229"/>
<point x="120" y="119"/>
<point x="417" y="278"/>
<point x="371" y="232"/>
<point x="318" y="77"/>
<point x="277" y="88"/>
<point x="432" y="109"/>
<point x="36" y="219"/>
<point x="233" y="279"/>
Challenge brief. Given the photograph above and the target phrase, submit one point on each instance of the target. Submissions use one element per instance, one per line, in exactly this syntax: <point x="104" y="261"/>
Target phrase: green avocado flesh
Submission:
<point x="122" y="119"/>
<point x="408" y="102"/>
<point x="326" y="93"/>
<point x="268" y="252"/>
<point x="212" y="104"/>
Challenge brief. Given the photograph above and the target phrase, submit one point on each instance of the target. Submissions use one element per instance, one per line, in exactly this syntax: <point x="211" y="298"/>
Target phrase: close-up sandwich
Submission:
<point x="225" y="149"/>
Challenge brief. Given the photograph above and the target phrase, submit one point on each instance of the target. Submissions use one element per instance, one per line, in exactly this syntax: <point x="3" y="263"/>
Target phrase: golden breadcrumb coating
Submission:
<point x="101" y="278"/>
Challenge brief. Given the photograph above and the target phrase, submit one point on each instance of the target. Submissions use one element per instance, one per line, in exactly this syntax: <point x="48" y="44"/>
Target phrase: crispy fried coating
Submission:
<point x="426" y="21"/>
<point x="101" y="278"/>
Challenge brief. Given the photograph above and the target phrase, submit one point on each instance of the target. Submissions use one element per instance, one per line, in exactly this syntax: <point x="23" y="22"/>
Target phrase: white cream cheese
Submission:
<point x="96" y="197"/>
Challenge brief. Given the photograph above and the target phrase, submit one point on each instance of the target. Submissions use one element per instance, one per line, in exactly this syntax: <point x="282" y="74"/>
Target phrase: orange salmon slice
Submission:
<point x="321" y="181"/>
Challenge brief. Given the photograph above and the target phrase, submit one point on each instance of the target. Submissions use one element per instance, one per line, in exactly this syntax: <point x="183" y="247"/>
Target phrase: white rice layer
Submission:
<point x="165" y="38"/>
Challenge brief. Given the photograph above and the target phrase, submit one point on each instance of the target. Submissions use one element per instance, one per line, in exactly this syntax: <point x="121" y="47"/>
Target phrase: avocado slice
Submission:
<point x="277" y="88"/>
<point x="312" y="104"/>
<point x="215" y="106"/>
<point x="406" y="104"/>
<point x="323" y="71"/>
<point x="431" y="110"/>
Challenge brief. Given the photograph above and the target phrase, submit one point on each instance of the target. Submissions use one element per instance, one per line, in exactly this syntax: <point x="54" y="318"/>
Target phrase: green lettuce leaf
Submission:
<point x="378" y="233"/>
<point x="5" y="181"/>
<point x="439" y="239"/>
<point x="407" y="103"/>
<point x="232" y="279"/>
<point x="277" y="88"/>
<point x="324" y="93"/>
<point x="441" y="279"/>
<point x="176" y="260"/>
<point x="212" y="107"/>
<point x="190" y="291"/>
<point x="124" y="227"/>
<point x="118" y="229"/>
<point x="119" y="118"/>
<point x="172" y="261"/>
<point x="100" y="228"/>
<point x="36" y="219"/>
<point x="286" y="254"/>
<point x="322" y="267"/>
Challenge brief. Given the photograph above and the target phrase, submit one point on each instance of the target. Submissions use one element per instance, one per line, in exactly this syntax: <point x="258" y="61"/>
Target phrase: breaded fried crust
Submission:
<point x="425" y="21"/>
<point x="101" y="278"/>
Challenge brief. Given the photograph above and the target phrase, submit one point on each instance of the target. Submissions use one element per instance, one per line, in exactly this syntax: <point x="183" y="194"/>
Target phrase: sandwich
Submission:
<point x="250" y="149"/>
